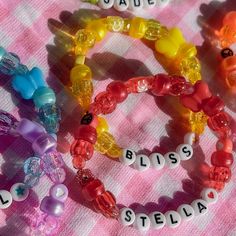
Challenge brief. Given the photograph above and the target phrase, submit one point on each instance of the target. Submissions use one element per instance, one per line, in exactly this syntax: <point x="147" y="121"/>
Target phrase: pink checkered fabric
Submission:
<point x="141" y="122"/>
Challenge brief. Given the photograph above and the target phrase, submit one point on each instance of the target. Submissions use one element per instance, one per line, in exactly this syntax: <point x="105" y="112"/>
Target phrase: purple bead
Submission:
<point x="58" y="175"/>
<point x="59" y="192"/>
<point x="8" y="123"/>
<point x="30" y="130"/>
<point x="43" y="144"/>
<point x="31" y="180"/>
<point x="51" y="206"/>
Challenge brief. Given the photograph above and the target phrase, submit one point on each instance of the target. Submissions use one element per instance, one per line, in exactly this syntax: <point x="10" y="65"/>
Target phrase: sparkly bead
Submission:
<point x="121" y="5"/>
<point x="83" y="149"/>
<point x="43" y="144"/>
<point x="222" y="159"/>
<point x="154" y="30"/>
<point x="31" y="180"/>
<point x="115" y="151"/>
<point x="197" y="122"/>
<point x="51" y="161"/>
<point x="212" y="106"/>
<point x="118" y="91"/>
<point x="80" y="72"/>
<point x="52" y="206"/>
<point x="105" y="4"/>
<point x="102" y="125"/>
<point x="84" y="176"/>
<point x="78" y="162"/>
<point x="32" y="166"/>
<point x="58" y="175"/>
<point x="99" y="28"/>
<point x="93" y="189"/>
<point x="139" y="84"/>
<point x="106" y="101"/>
<point x="217" y="185"/>
<point x="19" y="192"/>
<point x="43" y="96"/>
<point x="95" y="108"/>
<point x="59" y="192"/>
<point x="209" y="195"/>
<point x="8" y="123"/>
<point x="126" y="216"/>
<point x="105" y="203"/>
<point x="138" y="27"/>
<point x="220" y="174"/>
<point x="178" y="86"/>
<point x="161" y="85"/>
<point x="135" y="5"/>
<point x="225" y="144"/>
<point x="115" y="23"/>
<point x="86" y="133"/>
<point x="50" y="116"/>
<point x="104" y="142"/>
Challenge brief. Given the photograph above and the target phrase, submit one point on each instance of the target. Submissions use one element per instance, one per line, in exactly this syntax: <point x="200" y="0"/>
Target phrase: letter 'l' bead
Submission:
<point x="142" y="222"/>
<point x="142" y="163"/>
<point x="127" y="216"/>
<point x="128" y="157"/>
<point x="106" y="4"/>
<point x="186" y="212"/>
<point x="185" y="151"/>
<point x="173" y="219"/>
<point x="200" y="207"/>
<point x="158" y="220"/>
<point x="209" y="195"/>
<point x="5" y="199"/>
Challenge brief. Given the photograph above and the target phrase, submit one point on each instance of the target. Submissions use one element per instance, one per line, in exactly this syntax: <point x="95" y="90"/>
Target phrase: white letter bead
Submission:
<point x="127" y="216"/>
<point x="149" y="3"/>
<point x="185" y="151"/>
<point x="172" y="159"/>
<point x="209" y="195"/>
<point x="173" y="219"/>
<point x="19" y="192"/>
<point x="128" y="157"/>
<point x="162" y="3"/>
<point x="121" y="5"/>
<point x="157" y="219"/>
<point x="189" y="138"/>
<point x="157" y="161"/>
<point x="5" y="199"/>
<point x="142" y="162"/>
<point x="200" y="207"/>
<point x="142" y="222"/>
<point x="186" y="212"/>
<point x="135" y="5"/>
<point x="106" y="4"/>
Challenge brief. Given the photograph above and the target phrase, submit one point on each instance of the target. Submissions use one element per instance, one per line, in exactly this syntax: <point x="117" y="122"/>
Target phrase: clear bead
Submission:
<point x="8" y="123"/>
<point x="31" y="180"/>
<point x="33" y="166"/>
<point x="58" y="175"/>
<point x="115" y="23"/>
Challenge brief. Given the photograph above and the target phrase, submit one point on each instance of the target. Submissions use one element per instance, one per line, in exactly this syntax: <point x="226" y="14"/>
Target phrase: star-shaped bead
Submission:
<point x="20" y="191"/>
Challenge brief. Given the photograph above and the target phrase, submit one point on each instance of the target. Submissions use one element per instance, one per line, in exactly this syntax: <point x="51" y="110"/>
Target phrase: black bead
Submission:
<point x="87" y="119"/>
<point x="227" y="52"/>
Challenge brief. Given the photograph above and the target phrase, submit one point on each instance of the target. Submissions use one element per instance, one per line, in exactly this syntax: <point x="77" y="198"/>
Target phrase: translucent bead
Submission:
<point x="8" y="123"/>
<point x="102" y="125"/>
<point x="155" y="30"/>
<point x="118" y="90"/>
<point x="161" y="85"/>
<point x="138" y="27"/>
<point x="222" y="174"/>
<point x="222" y="159"/>
<point x="89" y="119"/>
<point x="78" y="162"/>
<point x="98" y="27"/>
<point x="139" y="84"/>
<point x="83" y="149"/>
<point x="197" y="122"/>
<point x="84" y="176"/>
<point x="86" y="133"/>
<point x="93" y="189"/>
<point x="31" y="180"/>
<point x="115" y="151"/>
<point x="50" y="116"/>
<point x="217" y="185"/>
<point x="115" y="23"/>
<point x="58" y="175"/>
<point x="43" y="96"/>
<point x="104" y="142"/>
<point x="80" y="72"/>
<point x="127" y="23"/>
<point x="178" y="86"/>
<point x="106" y="102"/>
<point x="79" y="60"/>
<point x="33" y="166"/>
<point x="212" y="106"/>
<point x="52" y="207"/>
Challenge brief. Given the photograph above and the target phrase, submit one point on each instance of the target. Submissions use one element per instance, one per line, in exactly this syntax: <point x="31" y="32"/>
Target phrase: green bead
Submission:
<point x="44" y="95"/>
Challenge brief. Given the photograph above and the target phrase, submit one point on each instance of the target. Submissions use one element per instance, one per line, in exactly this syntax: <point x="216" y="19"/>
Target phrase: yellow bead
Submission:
<point x="127" y="23"/>
<point x="115" y="23"/>
<point x="155" y="30"/>
<point x="80" y="72"/>
<point x="99" y="27"/>
<point x="104" y="142"/>
<point x="137" y="27"/>
<point x="197" y="122"/>
<point x="115" y="151"/>
<point x="79" y="60"/>
<point x="102" y="125"/>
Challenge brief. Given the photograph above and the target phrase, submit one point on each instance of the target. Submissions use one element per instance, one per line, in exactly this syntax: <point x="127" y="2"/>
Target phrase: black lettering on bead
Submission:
<point x="106" y="1"/>
<point x="201" y="207"/>
<point x="186" y="151"/>
<point x="129" y="154"/>
<point x="137" y="3"/>
<point x="172" y="220"/>
<point x="150" y="2"/>
<point x="141" y="162"/>
<point x="87" y="118"/>
<point x="227" y="52"/>
<point x="3" y="201"/>
<point x="143" y="220"/>
<point x="128" y="215"/>
<point x="172" y="157"/>
<point x="123" y="2"/>
<point x="158" y="159"/>
<point x="158" y="218"/>
<point x="186" y="213"/>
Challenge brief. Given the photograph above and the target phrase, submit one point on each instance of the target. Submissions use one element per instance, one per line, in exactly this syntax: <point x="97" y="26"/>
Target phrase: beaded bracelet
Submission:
<point x="46" y="160"/>
<point x="196" y="97"/>
<point x="132" y="5"/>
<point x="30" y="85"/>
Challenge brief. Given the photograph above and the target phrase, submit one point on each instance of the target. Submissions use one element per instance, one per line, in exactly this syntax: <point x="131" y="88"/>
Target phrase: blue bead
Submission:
<point x="50" y="116"/>
<point x="33" y="166"/>
<point x="43" y="96"/>
<point x="27" y="84"/>
<point x="31" y="180"/>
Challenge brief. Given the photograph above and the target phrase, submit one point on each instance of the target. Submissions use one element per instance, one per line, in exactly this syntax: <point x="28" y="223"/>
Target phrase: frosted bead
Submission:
<point x="189" y="138"/>
<point x="127" y="216"/>
<point x="200" y="207"/>
<point x="185" y="151"/>
<point x="209" y="195"/>
<point x="172" y="159"/>
<point x="128" y="157"/>
<point x="19" y="192"/>
<point x="173" y="219"/>
<point x="52" y="206"/>
<point x="186" y="212"/>
<point x="59" y="192"/>
<point x="162" y="3"/>
<point x="142" y="163"/>
<point x="58" y="175"/>
<point x="157" y="219"/>
<point x="5" y="199"/>
<point x="157" y="161"/>
<point x="142" y="222"/>
<point x="106" y="4"/>
<point x="121" y="5"/>
<point x="149" y="3"/>
<point x="135" y="5"/>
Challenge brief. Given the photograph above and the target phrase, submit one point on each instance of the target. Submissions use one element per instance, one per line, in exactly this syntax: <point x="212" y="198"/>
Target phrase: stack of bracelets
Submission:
<point x="46" y="159"/>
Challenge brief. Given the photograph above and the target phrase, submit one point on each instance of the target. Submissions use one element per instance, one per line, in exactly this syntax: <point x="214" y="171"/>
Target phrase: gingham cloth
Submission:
<point x="141" y="122"/>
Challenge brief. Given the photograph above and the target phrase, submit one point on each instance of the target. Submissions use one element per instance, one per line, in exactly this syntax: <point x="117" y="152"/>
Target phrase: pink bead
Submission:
<point x="86" y="133"/>
<point x="212" y="106"/>
<point x="59" y="192"/>
<point x="139" y="84"/>
<point x="222" y="174"/>
<point x="161" y="85"/>
<point x="225" y="144"/>
<point x="106" y="102"/>
<point x="118" y="91"/>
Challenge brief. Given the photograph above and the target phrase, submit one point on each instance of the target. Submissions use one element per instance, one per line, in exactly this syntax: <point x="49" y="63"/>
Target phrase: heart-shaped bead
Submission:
<point x="59" y="192"/>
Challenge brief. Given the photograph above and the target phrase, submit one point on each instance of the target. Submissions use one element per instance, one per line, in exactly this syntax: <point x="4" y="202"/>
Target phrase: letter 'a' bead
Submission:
<point x="172" y="159"/>
<point x="185" y="151"/>
<point x="142" y="222"/>
<point x="106" y="4"/>
<point x="186" y="212"/>
<point x="200" y="207"/>
<point x="157" y="219"/>
<point x="127" y="216"/>
<point x="121" y="5"/>
<point x="128" y="157"/>
<point x="142" y="162"/>
<point x="157" y="161"/>
<point x="209" y="195"/>
<point x="173" y="219"/>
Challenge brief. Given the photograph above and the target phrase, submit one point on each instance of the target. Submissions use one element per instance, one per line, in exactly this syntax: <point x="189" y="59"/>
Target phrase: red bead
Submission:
<point x="222" y="174"/>
<point x="106" y="102"/>
<point x="220" y="122"/>
<point x="78" y="162"/>
<point x="118" y="90"/>
<point x="84" y="176"/>
<point x="82" y="148"/>
<point x="106" y="204"/>
<point x="86" y="133"/>
<point x="161" y="85"/>
<point x="178" y="85"/>
<point x="222" y="159"/>
<point x="89" y="119"/>
<point x="95" y="108"/>
<point x="217" y="185"/>
<point x="212" y="106"/>
<point x="195" y="100"/>
<point x="139" y="84"/>
<point x="93" y="189"/>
